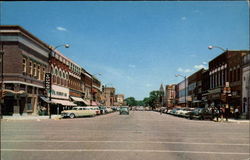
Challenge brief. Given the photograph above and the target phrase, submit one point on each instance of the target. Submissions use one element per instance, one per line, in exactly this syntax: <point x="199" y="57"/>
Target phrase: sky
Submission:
<point x="135" y="46"/>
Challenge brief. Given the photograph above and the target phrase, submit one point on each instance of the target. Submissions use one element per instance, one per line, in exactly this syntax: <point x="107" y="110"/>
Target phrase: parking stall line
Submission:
<point x="143" y="142"/>
<point x="121" y="150"/>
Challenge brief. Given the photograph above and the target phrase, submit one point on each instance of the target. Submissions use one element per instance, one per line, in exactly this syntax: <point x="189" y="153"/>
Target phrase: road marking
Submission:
<point x="144" y="142"/>
<point x="119" y="150"/>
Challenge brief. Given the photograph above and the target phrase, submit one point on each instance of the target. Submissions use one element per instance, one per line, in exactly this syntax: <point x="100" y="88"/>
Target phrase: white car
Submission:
<point x="78" y="112"/>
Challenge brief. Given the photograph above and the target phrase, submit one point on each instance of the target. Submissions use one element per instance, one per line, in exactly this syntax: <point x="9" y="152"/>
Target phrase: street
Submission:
<point x="141" y="135"/>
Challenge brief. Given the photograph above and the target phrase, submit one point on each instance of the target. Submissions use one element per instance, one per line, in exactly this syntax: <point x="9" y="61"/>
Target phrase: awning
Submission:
<point x="94" y="103"/>
<point x="77" y="99"/>
<point x="197" y="101"/>
<point x="63" y="102"/>
<point x="86" y="102"/>
<point x="45" y="99"/>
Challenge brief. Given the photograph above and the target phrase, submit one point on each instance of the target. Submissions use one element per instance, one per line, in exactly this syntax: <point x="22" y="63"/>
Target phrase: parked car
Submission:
<point x="124" y="110"/>
<point x="201" y="113"/>
<point x="102" y="109"/>
<point x="173" y="112"/>
<point x="109" y="110"/>
<point x="185" y="112"/>
<point x="95" y="108"/>
<point x="78" y="112"/>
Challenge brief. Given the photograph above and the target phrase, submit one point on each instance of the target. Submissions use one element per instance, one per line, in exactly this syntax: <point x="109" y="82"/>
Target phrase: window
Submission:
<point x="239" y="73"/>
<point x="43" y="73"/>
<point x="34" y="70"/>
<point x="31" y="68"/>
<point x="24" y="65"/>
<point x="38" y="72"/>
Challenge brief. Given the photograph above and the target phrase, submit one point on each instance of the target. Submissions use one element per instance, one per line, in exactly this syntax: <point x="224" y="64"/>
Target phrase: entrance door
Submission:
<point x="8" y="107"/>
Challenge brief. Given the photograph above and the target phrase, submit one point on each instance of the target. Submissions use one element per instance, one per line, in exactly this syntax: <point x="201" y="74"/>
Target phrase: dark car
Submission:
<point x="124" y="110"/>
<point x="201" y="113"/>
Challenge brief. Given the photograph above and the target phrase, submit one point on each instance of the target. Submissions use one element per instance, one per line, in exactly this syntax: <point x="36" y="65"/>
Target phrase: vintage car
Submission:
<point x="124" y="110"/>
<point x="78" y="112"/>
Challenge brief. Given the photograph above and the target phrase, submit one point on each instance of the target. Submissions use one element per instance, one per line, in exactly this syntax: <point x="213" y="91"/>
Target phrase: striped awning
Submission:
<point x="63" y="102"/>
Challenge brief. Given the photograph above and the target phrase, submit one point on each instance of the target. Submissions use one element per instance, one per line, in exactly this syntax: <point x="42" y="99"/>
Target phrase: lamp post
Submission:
<point x="211" y="47"/>
<point x="185" y="78"/>
<point x="91" y="92"/>
<point x="52" y="49"/>
<point x="2" y="86"/>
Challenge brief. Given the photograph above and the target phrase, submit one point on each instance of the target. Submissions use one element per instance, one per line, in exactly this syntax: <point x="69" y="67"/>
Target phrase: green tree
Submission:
<point x="131" y="101"/>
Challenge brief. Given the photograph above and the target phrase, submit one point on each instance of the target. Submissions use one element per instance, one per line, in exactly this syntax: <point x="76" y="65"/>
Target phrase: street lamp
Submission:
<point x="50" y="58"/>
<point x="211" y="47"/>
<point x="185" y="78"/>
<point x="91" y="92"/>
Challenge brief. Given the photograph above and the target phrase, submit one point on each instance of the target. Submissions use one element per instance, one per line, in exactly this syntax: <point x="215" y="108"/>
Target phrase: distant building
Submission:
<point x="246" y="84"/>
<point x="119" y="99"/>
<point x="195" y="89"/>
<point x="170" y="95"/>
<point x="96" y="91"/>
<point x="182" y="96"/>
<point x="109" y="96"/>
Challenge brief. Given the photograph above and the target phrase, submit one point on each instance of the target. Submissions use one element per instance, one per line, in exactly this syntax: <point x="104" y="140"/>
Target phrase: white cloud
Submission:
<point x="131" y="66"/>
<point x="200" y="66"/>
<point x="61" y="28"/>
<point x="184" y="70"/>
<point x="183" y="18"/>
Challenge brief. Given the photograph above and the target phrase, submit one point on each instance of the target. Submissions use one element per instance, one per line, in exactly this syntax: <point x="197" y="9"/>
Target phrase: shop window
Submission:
<point x="29" y="103"/>
<point x="24" y="65"/>
<point x="29" y="89"/>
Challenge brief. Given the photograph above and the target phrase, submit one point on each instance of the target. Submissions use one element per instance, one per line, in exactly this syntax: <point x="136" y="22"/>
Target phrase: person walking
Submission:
<point x="227" y="112"/>
<point x="236" y="113"/>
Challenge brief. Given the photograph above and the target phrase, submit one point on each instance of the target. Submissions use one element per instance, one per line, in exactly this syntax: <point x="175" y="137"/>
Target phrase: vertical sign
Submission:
<point x="48" y="81"/>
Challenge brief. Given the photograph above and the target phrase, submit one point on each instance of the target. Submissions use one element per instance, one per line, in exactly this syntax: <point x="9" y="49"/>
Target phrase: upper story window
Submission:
<point x="31" y="68"/>
<point x="38" y="72"/>
<point x="24" y="65"/>
<point x="34" y="70"/>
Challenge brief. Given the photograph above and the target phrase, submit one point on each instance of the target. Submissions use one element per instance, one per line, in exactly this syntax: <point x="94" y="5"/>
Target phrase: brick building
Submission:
<point x="226" y="68"/>
<point x="170" y="95"/>
<point x="60" y="82"/>
<point x="25" y="63"/>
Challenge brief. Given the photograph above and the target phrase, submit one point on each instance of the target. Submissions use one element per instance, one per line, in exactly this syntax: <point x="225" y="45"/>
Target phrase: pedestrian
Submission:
<point x="217" y="113"/>
<point x="236" y="113"/>
<point x="212" y="110"/>
<point x="227" y="112"/>
<point x="222" y="112"/>
<point x="161" y="110"/>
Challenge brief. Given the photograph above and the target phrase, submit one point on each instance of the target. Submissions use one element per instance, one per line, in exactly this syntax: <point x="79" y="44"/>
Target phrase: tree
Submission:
<point x="154" y="98"/>
<point x="131" y="101"/>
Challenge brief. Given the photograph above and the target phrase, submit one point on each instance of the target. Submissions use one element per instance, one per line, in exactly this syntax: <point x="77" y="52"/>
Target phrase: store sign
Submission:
<point x="47" y="81"/>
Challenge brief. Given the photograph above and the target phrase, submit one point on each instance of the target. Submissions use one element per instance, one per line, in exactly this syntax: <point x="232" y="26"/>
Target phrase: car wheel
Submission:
<point x="72" y="115"/>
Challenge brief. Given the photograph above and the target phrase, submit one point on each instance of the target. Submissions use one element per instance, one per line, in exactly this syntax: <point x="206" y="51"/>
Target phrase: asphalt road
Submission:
<point x="138" y="136"/>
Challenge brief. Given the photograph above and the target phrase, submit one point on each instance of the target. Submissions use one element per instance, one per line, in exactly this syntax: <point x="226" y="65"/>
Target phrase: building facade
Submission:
<point x="246" y="85"/>
<point x="25" y="62"/>
<point x="119" y="99"/>
<point x="170" y="95"/>
<point x="195" y="89"/>
<point x="109" y="96"/>
<point x="183" y="93"/>
<point x="226" y="69"/>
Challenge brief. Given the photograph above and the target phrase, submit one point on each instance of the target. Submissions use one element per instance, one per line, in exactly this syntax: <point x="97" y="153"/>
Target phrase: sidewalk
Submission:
<point x="233" y="120"/>
<point x="30" y="117"/>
